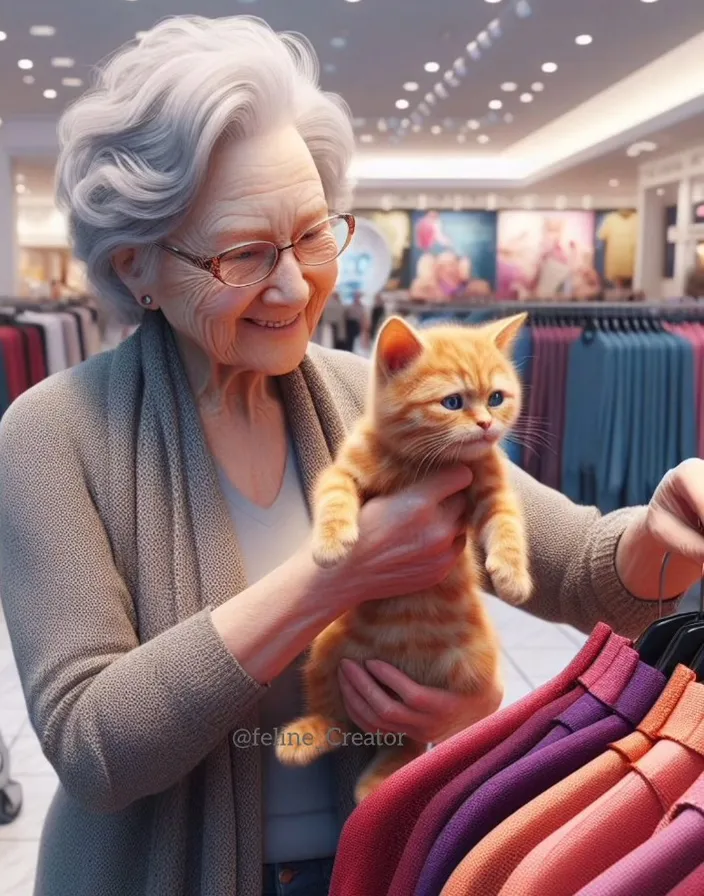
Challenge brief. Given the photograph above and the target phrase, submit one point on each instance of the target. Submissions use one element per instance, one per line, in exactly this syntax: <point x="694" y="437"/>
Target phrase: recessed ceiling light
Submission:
<point x="526" y="97"/>
<point x="402" y="104"/>
<point x="659" y="191"/>
<point x="50" y="94"/>
<point x="473" y="125"/>
<point x="432" y="67"/>
<point x="0" y="122"/>
<point x="25" y="64"/>
<point x="495" y="104"/>
<point x="63" y="62"/>
<point x="648" y="1"/>
<point x="20" y="188"/>
<point x="367" y="138"/>
<point x="549" y="67"/>
<point x="410" y="86"/>
<point x="492" y="1"/>
<point x="338" y="42"/>
<point x="509" y="86"/>
<point x="28" y="79"/>
<point x="614" y="182"/>
<point x="583" y="40"/>
<point x="42" y="31"/>
<point x="482" y="138"/>
<point x="71" y="82"/>
<point x="353" y="1"/>
<point x="537" y="86"/>
<point x="436" y="129"/>
<point x="3" y="36"/>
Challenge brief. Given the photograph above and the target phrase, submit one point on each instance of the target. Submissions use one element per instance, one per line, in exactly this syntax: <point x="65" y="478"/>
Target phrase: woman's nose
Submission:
<point x="287" y="285"/>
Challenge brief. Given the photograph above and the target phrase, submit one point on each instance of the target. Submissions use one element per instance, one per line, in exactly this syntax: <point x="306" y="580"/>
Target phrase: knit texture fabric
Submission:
<point x="657" y="865"/>
<point x="440" y="809"/>
<point x="692" y="885"/>
<point x="488" y="866"/>
<point x="624" y="817"/>
<point x="115" y="543"/>
<point x="515" y="786"/>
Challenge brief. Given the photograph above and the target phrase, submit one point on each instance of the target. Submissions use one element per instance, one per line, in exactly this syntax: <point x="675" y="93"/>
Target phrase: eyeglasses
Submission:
<point x="250" y="263"/>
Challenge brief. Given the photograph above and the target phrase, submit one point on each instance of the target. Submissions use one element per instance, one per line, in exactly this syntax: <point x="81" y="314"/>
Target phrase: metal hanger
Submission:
<point x="654" y="641"/>
<point x="688" y="642"/>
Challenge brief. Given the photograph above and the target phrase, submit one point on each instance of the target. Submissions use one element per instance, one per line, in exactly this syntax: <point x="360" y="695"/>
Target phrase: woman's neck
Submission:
<point x="225" y="391"/>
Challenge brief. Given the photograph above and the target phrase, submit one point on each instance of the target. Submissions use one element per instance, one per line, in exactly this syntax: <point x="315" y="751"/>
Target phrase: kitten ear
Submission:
<point x="505" y="331"/>
<point x="397" y="346"/>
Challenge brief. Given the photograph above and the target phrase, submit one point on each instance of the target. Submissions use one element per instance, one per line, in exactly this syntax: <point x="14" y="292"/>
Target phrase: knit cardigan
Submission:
<point x="115" y="545"/>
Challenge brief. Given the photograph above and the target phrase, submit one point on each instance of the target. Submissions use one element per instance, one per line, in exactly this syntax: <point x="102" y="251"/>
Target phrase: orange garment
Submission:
<point x="625" y="816"/>
<point x="487" y="867"/>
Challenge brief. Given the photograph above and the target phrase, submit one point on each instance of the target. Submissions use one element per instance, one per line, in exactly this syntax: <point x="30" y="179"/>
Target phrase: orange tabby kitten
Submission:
<point x="438" y="396"/>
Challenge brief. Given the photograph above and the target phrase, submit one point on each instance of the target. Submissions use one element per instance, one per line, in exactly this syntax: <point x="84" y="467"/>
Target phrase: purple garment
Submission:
<point x="586" y="711"/>
<point x="658" y="865"/>
<point x="516" y="785"/>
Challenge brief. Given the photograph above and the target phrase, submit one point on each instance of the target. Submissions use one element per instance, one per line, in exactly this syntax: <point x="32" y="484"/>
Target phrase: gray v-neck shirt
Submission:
<point x="300" y="819"/>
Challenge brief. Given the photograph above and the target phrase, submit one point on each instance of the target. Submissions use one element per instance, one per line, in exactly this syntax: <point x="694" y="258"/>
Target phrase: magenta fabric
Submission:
<point x="438" y="809"/>
<point x="657" y="865"/>
<point x="692" y="885"/>
<point x="535" y="773"/>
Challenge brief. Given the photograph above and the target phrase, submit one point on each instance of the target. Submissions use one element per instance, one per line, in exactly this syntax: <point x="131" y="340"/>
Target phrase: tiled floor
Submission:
<point x="534" y="651"/>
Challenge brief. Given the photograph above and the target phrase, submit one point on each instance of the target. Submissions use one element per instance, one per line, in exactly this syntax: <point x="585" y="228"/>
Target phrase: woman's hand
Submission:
<point x="407" y="542"/>
<point x="672" y="523"/>
<point x="423" y="714"/>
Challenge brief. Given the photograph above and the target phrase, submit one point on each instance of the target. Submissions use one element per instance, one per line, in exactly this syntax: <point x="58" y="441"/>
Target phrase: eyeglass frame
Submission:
<point x="212" y="265"/>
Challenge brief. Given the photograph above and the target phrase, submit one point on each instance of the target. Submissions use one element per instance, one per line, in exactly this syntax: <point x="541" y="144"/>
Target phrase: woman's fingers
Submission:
<point x="377" y="706"/>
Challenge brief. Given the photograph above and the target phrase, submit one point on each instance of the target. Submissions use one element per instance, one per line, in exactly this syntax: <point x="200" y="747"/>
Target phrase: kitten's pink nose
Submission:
<point x="485" y="424"/>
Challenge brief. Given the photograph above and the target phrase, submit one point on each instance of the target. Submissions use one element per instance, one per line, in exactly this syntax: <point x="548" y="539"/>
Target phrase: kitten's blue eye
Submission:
<point x="453" y="402"/>
<point x="496" y="399"/>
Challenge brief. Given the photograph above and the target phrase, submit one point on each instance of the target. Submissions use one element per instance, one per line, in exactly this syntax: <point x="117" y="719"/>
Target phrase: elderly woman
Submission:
<point x="155" y="566"/>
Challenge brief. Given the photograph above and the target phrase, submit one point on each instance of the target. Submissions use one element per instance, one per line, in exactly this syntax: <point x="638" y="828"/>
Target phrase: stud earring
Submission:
<point x="146" y="300"/>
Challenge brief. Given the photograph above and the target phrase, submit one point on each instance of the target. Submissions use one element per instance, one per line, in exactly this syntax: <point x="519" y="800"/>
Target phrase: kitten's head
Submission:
<point x="445" y="394"/>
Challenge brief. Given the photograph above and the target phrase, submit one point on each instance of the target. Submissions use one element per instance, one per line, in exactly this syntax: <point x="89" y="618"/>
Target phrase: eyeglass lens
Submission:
<point x="255" y="261"/>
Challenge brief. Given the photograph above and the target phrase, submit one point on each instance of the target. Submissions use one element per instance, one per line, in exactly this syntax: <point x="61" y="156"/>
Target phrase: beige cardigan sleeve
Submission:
<point x="118" y="720"/>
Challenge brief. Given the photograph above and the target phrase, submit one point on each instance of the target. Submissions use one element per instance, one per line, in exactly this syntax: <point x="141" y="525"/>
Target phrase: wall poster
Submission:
<point x="546" y="255"/>
<point x="616" y="238"/>
<point x="453" y="255"/>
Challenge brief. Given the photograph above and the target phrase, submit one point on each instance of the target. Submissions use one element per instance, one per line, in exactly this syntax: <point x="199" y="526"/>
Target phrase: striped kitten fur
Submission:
<point x="438" y="396"/>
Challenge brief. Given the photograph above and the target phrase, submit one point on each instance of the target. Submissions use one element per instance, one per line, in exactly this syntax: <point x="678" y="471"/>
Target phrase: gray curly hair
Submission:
<point x="135" y="148"/>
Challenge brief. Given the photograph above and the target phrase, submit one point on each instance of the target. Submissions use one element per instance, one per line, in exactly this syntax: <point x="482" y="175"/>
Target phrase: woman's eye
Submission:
<point x="496" y="399"/>
<point x="453" y="402"/>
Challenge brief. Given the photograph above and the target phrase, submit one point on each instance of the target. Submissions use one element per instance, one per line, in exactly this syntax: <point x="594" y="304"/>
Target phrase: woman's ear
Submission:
<point x="127" y="265"/>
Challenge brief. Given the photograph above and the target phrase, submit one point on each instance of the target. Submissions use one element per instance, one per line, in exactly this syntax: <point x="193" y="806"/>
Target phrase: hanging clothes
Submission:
<point x="383" y="823"/>
<point x="38" y="340"/>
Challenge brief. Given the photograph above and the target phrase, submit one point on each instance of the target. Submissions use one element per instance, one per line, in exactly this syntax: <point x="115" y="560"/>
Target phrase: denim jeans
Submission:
<point x="309" y="878"/>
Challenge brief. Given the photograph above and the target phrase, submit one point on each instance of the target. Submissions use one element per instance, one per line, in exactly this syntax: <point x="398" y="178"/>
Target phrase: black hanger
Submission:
<point x="687" y="643"/>
<point x="654" y="641"/>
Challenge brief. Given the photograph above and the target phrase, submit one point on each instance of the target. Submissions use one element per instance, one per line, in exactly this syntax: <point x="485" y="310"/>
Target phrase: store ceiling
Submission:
<point x="370" y="49"/>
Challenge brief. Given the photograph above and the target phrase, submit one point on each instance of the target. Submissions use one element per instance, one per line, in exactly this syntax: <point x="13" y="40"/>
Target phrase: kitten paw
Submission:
<point x="334" y="541"/>
<point x="515" y="586"/>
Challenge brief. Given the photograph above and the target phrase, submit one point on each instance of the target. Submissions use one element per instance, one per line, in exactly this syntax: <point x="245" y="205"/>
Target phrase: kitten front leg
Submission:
<point x="498" y="523"/>
<point x="336" y="511"/>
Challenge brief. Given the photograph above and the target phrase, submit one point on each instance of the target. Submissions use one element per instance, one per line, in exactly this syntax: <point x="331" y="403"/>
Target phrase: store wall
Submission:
<point x="441" y="255"/>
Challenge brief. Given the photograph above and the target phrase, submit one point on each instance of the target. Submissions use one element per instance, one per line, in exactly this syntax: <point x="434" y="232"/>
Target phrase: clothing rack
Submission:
<point x="39" y="338"/>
